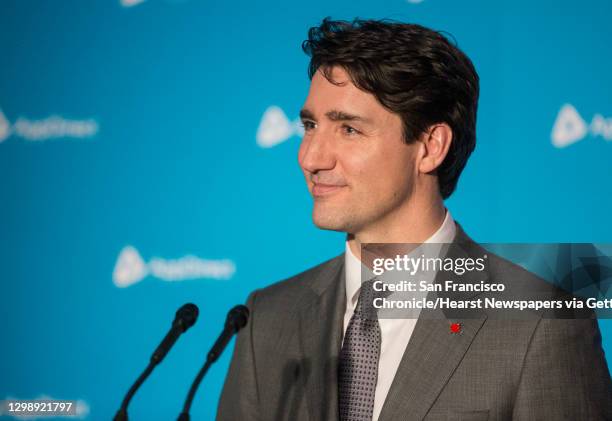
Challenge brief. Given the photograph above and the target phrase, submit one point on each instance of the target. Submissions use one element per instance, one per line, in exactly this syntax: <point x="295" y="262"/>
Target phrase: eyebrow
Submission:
<point x="306" y="114"/>
<point x="334" y="115"/>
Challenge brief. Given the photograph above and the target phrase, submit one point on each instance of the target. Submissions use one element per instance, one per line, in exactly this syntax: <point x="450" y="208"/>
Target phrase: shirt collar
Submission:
<point x="444" y="234"/>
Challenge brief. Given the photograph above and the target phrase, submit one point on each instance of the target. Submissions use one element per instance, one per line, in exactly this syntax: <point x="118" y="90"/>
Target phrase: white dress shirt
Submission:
<point x="395" y="333"/>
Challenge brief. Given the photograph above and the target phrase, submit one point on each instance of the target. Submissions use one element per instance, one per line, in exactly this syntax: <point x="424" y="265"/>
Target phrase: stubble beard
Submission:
<point x="353" y="219"/>
<point x="336" y="219"/>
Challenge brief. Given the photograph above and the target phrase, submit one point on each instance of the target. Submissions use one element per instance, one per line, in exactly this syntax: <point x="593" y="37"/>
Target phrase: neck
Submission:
<point x="415" y="225"/>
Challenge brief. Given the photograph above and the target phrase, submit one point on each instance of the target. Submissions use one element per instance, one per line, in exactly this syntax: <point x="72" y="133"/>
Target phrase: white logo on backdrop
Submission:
<point x="130" y="3"/>
<point x="570" y="127"/>
<point x="82" y="410"/>
<point x="5" y="127"/>
<point x="275" y="128"/>
<point x="131" y="268"/>
<point x="47" y="128"/>
<point x="415" y="1"/>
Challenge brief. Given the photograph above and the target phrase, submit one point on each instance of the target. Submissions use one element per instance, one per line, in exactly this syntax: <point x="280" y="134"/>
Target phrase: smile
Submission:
<point x="320" y="190"/>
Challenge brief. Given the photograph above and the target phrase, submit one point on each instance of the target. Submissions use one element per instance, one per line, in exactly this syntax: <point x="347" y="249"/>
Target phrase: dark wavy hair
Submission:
<point x="413" y="71"/>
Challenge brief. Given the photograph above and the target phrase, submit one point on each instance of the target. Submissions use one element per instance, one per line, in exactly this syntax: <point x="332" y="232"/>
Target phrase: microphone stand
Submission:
<point x="122" y="413"/>
<point x="236" y="319"/>
<point x="192" y="391"/>
<point x="185" y="317"/>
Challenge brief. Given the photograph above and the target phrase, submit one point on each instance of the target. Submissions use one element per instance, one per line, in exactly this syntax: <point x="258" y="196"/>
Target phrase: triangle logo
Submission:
<point x="130" y="3"/>
<point x="569" y="127"/>
<point x="130" y="268"/>
<point x="5" y="127"/>
<point x="275" y="128"/>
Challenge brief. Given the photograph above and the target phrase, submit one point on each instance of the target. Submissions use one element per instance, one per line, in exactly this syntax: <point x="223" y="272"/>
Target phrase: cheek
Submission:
<point x="369" y="162"/>
<point x="381" y="174"/>
<point x="357" y="163"/>
<point x="399" y="177"/>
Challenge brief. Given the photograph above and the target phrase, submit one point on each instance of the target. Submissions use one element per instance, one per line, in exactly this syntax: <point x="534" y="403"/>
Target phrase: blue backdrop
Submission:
<point x="148" y="157"/>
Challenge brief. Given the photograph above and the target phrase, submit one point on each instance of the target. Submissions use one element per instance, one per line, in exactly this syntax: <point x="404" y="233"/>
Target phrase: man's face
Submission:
<point x="357" y="166"/>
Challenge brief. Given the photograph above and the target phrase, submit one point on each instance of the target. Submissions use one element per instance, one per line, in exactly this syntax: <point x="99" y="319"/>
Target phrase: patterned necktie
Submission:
<point x="358" y="361"/>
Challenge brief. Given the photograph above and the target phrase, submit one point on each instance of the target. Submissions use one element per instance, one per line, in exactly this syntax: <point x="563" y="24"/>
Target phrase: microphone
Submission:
<point x="186" y="317"/>
<point x="236" y="319"/>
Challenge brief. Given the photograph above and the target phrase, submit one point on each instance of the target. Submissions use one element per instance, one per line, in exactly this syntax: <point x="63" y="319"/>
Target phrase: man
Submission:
<point x="389" y="125"/>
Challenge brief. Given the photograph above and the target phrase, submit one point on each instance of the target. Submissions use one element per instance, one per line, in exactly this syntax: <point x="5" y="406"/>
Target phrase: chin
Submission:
<point x="332" y="221"/>
<point x="328" y="222"/>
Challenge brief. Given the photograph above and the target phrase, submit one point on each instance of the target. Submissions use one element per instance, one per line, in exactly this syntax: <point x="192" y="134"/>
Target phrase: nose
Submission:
<point x="316" y="153"/>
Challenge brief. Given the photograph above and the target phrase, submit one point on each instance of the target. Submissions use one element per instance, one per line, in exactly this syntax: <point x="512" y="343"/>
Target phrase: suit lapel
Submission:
<point x="433" y="352"/>
<point x="430" y="358"/>
<point x="321" y="320"/>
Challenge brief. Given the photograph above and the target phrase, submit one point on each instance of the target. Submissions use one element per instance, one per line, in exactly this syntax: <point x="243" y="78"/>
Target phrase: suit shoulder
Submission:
<point x="309" y="281"/>
<point x="520" y="281"/>
<point x="521" y="284"/>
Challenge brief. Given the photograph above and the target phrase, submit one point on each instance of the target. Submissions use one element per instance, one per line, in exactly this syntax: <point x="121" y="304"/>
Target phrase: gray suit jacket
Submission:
<point x="285" y="360"/>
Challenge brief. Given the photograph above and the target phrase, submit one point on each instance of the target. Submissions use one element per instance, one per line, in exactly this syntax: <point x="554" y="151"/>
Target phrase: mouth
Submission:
<point x="321" y="190"/>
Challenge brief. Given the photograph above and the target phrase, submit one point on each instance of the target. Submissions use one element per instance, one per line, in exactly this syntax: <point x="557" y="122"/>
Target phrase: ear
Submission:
<point x="436" y="141"/>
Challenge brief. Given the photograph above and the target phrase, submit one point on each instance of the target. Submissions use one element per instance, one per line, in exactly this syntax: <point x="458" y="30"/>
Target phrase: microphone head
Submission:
<point x="237" y="318"/>
<point x="186" y="316"/>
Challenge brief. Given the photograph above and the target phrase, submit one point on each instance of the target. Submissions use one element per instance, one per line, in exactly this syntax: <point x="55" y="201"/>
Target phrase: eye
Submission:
<point x="308" y="125"/>
<point x="349" y="130"/>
